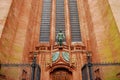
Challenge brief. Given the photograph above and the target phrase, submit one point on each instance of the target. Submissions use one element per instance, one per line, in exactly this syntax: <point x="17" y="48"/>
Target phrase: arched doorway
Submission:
<point x="61" y="74"/>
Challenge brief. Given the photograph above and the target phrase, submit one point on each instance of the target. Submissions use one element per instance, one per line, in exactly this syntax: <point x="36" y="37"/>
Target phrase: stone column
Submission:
<point x="52" y="27"/>
<point x="67" y="22"/>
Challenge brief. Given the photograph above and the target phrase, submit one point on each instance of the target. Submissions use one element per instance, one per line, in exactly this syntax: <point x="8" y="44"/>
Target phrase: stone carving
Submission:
<point x="60" y="37"/>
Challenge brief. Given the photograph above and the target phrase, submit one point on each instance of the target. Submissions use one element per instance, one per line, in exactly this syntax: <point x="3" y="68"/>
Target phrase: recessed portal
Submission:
<point x="61" y="74"/>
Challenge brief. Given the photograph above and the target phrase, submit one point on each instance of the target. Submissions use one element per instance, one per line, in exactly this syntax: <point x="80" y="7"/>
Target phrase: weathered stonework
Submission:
<point x="20" y="29"/>
<point x="4" y="10"/>
<point x="114" y="5"/>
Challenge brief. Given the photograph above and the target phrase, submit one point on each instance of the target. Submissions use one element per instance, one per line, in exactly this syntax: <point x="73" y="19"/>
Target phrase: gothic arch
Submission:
<point x="65" y="66"/>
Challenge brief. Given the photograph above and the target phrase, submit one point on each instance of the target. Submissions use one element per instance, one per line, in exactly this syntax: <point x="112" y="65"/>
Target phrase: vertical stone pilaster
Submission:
<point x="53" y="19"/>
<point x="37" y="21"/>
<point x="67" y="22"/>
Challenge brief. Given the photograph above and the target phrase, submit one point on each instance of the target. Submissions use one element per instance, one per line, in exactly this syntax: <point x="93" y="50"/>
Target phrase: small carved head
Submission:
<point x="60" y="30"/>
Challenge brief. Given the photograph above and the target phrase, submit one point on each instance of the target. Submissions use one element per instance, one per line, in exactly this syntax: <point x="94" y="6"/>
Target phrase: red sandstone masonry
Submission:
<point x="21" y="34"/>
<point x="4" y="10"/>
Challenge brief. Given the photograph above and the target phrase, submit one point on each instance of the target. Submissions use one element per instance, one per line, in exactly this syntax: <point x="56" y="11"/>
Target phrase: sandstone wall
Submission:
<point x="106" y="35"/>
<point x="115" y="6"/>
<point x="4" y="9"/>
<point x="32" y="38"/>
<point x="20" y="25"/>
<point x="105" y="30"/>
<point x="13" y="38"/>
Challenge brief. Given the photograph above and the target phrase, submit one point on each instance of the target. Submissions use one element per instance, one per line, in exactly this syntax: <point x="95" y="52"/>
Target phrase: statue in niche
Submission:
<point x="60" y="37"/>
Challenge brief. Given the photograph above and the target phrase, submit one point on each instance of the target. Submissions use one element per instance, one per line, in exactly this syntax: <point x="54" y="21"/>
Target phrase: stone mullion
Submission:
<point x="67" y="22"/>
<point x="53" y="20"/>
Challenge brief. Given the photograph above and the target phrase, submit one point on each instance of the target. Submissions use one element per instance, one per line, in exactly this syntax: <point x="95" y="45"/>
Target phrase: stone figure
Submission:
<point x="60" y="37"/>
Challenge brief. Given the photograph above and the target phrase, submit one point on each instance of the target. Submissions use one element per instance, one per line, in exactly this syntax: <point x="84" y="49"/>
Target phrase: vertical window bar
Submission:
<point x="45" y="24"/>
<point x="74" y="20"/>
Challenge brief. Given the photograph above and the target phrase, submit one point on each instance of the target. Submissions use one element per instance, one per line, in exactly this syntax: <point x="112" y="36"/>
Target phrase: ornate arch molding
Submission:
<point x="64" y="66"/>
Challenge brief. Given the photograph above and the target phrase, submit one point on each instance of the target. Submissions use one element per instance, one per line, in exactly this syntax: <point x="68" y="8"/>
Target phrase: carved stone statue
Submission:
<point x="60" y="37"/>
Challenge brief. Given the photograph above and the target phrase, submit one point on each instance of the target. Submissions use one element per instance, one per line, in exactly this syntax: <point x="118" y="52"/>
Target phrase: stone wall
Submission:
<point x="4" y="9"/>
<point x="105" y="30"/>
<point x="32" y="38"/>
<point x="106" y="35"/>
<point x="115" y="6"/>
<point x="20" y="25"/>
<point x="13" y="37"/>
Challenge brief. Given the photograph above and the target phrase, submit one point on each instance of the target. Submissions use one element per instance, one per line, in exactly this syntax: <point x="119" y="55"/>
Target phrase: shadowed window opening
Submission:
<point x="60" y="19"/>
<point x="45" y="24"/>
<point x="74" y="20"/>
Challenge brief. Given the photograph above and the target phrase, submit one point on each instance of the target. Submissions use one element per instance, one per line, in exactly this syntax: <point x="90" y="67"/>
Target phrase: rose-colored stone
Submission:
<point x="20" y="29"/>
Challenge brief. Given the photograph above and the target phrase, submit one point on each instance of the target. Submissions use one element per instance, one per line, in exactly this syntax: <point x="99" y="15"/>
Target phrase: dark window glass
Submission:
<point x="74" y="20"/>
<point x="60" y="19"/>
<point x="45" y="24"/>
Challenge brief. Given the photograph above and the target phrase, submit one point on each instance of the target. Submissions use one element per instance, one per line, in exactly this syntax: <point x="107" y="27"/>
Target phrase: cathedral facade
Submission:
<point x="32" y="26"/>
